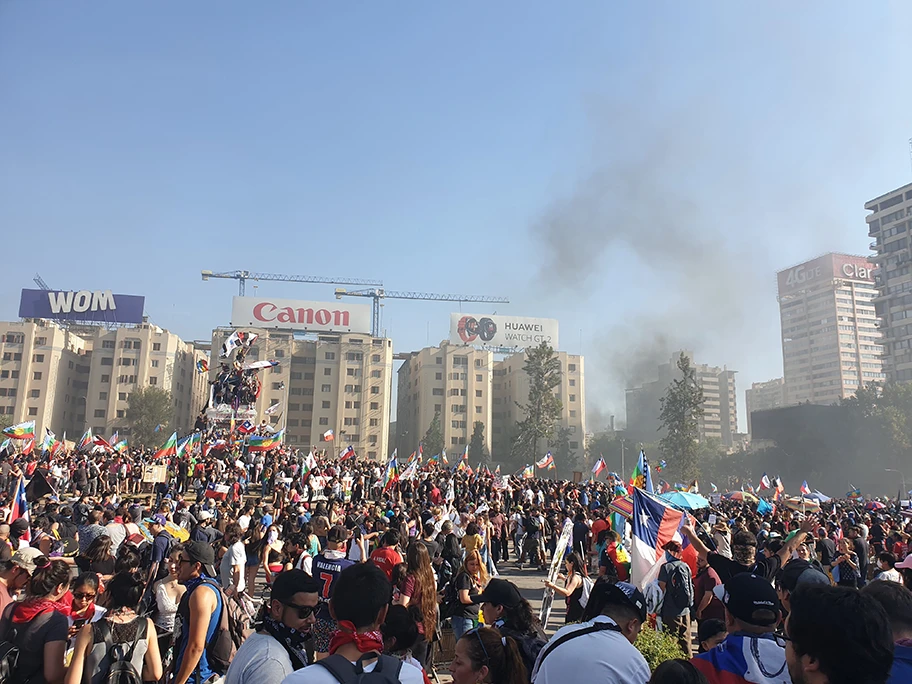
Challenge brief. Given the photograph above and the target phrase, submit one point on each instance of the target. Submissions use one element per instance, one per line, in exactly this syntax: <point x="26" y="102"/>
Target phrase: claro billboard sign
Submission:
<point x="824" y="268"/>
<point x="502" y="331"/>
<point x="294" y="314"/>
<point x="97" y="306"/>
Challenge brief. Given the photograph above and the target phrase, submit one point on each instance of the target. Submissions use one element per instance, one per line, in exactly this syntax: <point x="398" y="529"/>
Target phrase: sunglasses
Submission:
<point x="84" y="597"/>
<point x="483" y="649"/>
<point x="304" y="612"/>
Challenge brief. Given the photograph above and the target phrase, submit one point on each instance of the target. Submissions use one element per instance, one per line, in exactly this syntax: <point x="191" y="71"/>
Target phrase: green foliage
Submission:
<point x="543" y="408"/>
<point x="148" y="407"/>
<point x="478" y="452"/>
<point x="433" y="438"/>
<point x="682" y="407"/>
<point x="564" y="458"/>
<point x="657" y="647"/>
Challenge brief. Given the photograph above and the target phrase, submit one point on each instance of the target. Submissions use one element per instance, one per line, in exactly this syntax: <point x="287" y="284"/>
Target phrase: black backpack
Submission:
<point x="450" y="602"/>
<point x="9" y="655"/>
<point x="120" y="656"/>
<point x="533" y="525"/>
<point x="386" y="671"/>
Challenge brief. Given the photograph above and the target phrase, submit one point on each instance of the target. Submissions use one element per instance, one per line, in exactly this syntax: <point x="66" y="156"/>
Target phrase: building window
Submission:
<point x="280" y="353"/>
<point x="36" y="375"/>
<point x="571" y="367"/>
<point x="438" y="376"/>
<point x="375" y="358"/>
<point x="375" y="405"/>
<point x="574" y="445"/>
<point x="572" y="382"/>
<point x="326" y="404"/>
<point x="375" y="374"/>
<point x="351" y="421"/>
<point x="41" y="341"/>
<point x="324" y="421"/>
<point x="353" y="372"/>
<point x="573" y="414"/>
<point x="374" y="422"/>
<point x="154" y="363"/>
<point x="33" y="410"/>
<point x="477" y="377"/>
<point x="478" y="393"/>
<point x="156" y="346"/>
<point x="326" y="388"/>
<point x="327" y="371"/>
<point x="295" y="375"/>
<point x="37" y="358"/>
<point x="102" y="396"/>
<point x="152" y="381"/>
<point x="121" y="413"/>
<point x="437" y="391"/>
<point x="454" y="441"/>
<point x="99" y="413"/>
<point x="478" y="409"/>
<point x="34" y="394"/>
<point x="439" y="360"/>
<point x="106" y="378"/>
<point x="330" y="356"/>
<point x="572" y="397"/>
<point x="121" y="396"/>
<point x="375" y="390"/>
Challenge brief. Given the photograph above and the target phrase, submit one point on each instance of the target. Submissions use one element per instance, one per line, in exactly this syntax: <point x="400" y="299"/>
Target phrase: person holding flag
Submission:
<point x="598" y="467"/>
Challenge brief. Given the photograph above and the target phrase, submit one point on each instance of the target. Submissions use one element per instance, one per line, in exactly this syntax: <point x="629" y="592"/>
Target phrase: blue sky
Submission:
<point x="639" y="173"/>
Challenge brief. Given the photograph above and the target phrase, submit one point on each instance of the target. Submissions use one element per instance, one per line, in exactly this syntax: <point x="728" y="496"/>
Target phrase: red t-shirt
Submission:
<point x="598" y="526"/>
<point x="412" y="589"/>
<point x="386" y="559"/>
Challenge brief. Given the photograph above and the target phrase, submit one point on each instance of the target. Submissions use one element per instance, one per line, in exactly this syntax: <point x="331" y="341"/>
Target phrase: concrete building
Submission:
<point x="763" y="396"/>
<point x="333" y="381"/>
<point x="510" y="386"/>
<point x="831" y="342"/>
<point x="720" y="408"/>
<point x="452" y="380"/>
<point x="889" y="224"/>
<point x="145" y="355"/>
<point x="44" y="371"/>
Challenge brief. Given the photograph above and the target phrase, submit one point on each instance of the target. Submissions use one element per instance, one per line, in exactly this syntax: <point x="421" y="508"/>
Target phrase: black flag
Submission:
<point x="38" y="487"/>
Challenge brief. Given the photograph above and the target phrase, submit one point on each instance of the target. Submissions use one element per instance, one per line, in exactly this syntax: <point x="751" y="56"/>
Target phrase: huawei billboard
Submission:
<point x="294" y="314"/>
<point x="502" y="331"/>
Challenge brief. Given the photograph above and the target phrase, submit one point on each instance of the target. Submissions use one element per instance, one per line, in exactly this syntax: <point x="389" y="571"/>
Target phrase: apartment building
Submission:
<point x="451" y="380"/>
<point x="831" y="340"/>
<point x="763" y="396"/>
<point x="44" y="371"/>
<point x="889" y="223"/>
<point x="720" y="409"/>
<point x="510" y="386"/>
<point x="332" y="381"/>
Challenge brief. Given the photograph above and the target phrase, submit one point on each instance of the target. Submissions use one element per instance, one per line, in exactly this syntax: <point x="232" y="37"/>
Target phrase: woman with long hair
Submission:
<point x="572" y="591"/>
<point x="83" y="606"/>
<point x="121" y="628"/>
<point x="38" y="625"/>
<point x="504" y="607"/>
<point x="98" y="558"/>
<point x="168" y="593"/>
<point x="271" y="554"/>
<point x="419" y="590"/>
<point x="470" y="580"/>
<point x="484" y="655"/>
<point x="253" y="547"/>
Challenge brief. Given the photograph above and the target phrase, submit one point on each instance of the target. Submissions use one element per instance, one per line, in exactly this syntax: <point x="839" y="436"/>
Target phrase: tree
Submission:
<point x="478" y="452"/>
<point x="544" y="408"/>
<point x="147" y="408"/>
<point x="564" y="458"/>
<point x="682" y="408"/>
<point x="433" y="438"/>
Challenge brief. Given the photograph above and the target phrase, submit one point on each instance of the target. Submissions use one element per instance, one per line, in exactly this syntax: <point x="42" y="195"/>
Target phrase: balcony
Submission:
<point x="873" y="246"/>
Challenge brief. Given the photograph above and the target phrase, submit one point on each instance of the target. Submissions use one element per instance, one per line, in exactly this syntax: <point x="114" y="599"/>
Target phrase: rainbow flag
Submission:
<point x="202" y="366"/>
<point x="641" y="477"/>
<point x="50" y="439"/>
<point x="169" y="448"/>
<point x="121" y="445"/>
<point x="24" y="430"/>
<point x="86" y="441"/>
<point x="444" y="458"/>
<point x="528" y="472"/>
<point x="391" y="476"/>
<point x="265" y="442"/>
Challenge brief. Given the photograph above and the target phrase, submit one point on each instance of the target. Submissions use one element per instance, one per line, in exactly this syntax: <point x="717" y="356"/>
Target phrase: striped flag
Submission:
<point x="547" y="461"/>
<point x="391" y="476"/>
<point x="598" y="467"/>
<point x="528" y="472"/>
<point x="24" y="430"/>
<point x="347" y="452"/>
<point x="169" y="448"/>
<point x="266" y="442"/>
<point x="86" y="440"/>
<point x="20" y="507"/>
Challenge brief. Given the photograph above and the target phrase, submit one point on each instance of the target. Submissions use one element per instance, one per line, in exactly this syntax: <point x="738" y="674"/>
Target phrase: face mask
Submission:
<point x="273" y="536"/>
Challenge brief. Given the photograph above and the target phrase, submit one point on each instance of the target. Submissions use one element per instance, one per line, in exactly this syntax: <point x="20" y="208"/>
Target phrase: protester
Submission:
<point x="420" y="590"/>
<point x="38" y="626"/>
<point x="602" y="645"/>
<point x="677" y="671"/>
<point x="359" y="603"/>
<point x="471" y="579"/>
<point x="572" y="591"/>
<point x="797" y="573"/>
<point x="328" y="566"/>
<point x="120" y="634"/>
<point x="676" y="583"/>
<point x="276" y="648"/>
<point x="504" y="607"/>
<point x="838" y="635"/>
<point x="387" y="557"/>
<point x="484" y="655"/>
<point x="231" y="567"/>
<point x="711" y="633"/>
<point x="896" y="600"/>
<point x="83" y="603"/>
<point x="886" y="563"/>
<point x="168" y="593"/>
<point x="17" y="572"/>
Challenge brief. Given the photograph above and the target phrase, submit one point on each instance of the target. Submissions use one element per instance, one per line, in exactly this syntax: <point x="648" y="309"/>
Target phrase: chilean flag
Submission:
<point x="598" y="467"/>
<point x="348" y="452"/>
<point x="654" y="524"/>
<point x="20" y="507"/>
<point x="765" y="482"/>
<point x="246" y="427"/>
<point x="804" y="488"/>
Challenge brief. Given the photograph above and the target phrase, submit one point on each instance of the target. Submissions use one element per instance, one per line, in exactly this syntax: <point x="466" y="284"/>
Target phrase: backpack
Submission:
<point x="9" y="655"/>
<point x="145" y="554"/>
<point x="533" y="525"/>
<point x="450" y="602"/>
<point x="679" y="588"/>
<point x="587" y="590"/>
<point x="229" y="634"/>
<point x="386" y="671"/>
<point x="120" y="657"/>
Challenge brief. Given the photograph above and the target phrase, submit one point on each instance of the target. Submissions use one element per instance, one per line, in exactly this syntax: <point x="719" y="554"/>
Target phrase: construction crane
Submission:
<point x="243" y="276"/>
<point x="378" y="293"/>
<point x="39" y="281"/>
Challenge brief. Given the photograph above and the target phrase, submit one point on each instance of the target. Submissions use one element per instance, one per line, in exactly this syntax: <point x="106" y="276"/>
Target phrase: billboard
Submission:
<point x="825" y="268"/>
<point x="98" y="306"/>
<point x="502" y="331"/>
<point x="294" y="314"/>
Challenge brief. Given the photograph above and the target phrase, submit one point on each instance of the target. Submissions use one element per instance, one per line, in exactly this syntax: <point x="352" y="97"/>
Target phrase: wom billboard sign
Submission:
<point x="96" y="306"/>
<point x="293" y="314"/>
<point x="502" y="331"/>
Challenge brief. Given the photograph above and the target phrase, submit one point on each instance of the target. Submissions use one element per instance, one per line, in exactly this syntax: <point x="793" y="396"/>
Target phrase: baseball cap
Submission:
<point x="750" y="598"/>
<point x="201" y="552"/>
<point x="337" y="534"/>
<point x="204" y="515"/>
<point x="626" y="594"/>
<point x="500" y="592"/>
<point x="157" y="519"/>
<point x="801" y="572"/>
<point x="28" y="558"/>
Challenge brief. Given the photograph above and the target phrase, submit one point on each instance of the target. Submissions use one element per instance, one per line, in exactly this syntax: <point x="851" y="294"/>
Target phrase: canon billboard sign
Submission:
<point x="825" y="268"/>
<point x="502" y="331"/>
<point x="294" y="314"/>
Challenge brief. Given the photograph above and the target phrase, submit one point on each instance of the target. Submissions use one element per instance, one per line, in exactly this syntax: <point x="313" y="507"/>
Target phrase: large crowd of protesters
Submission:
<point x="293" y="573"/>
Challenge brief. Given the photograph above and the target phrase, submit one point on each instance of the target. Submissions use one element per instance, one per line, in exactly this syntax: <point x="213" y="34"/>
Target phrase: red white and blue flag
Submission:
<point x="765" y="482"/>
<point x="217" y="491"/>
<point x="804" y="488"/>
<point x="654" y="524"/>
<point x="598" y="467"/>
<point x="547" y="461"/>
<point x="246" y="427"/>
<point x="20" y="507"/>
<point x="348" y="452"/>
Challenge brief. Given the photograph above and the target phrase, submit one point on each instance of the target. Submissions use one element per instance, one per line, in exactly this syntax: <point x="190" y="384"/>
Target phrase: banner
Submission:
<point x="293" y="314"/>
<point x="99" y="306"/>
<point x="502" y="331"/>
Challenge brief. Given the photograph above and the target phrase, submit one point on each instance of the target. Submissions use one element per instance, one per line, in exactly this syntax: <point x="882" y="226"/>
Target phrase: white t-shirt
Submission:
<point x="244" y="522"/>
<point x="317" y="674"/>
<point x="235" y="555"/>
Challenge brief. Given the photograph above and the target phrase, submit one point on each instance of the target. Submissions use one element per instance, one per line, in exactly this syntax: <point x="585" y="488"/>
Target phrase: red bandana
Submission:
<point x="348" y="634"/>
<point x="29" y="609"/>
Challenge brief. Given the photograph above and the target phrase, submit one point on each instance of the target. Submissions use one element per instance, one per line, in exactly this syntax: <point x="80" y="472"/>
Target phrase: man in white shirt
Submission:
<point x="360" y="600"/>
<point x="277" y="648"/>
<point x="602" y="647"/>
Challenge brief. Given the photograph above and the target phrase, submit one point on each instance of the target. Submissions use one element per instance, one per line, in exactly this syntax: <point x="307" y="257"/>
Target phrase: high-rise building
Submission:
<point x="337" y="381"/>
<point x="44" y="371"/>
<point x="763" y="396"/>
<point x="510" y="386"/>
<point x="452" y="381"/>
<point x="889" y="224"/>
<point x="720" y="407"/>
<point x="831" y="343"/>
